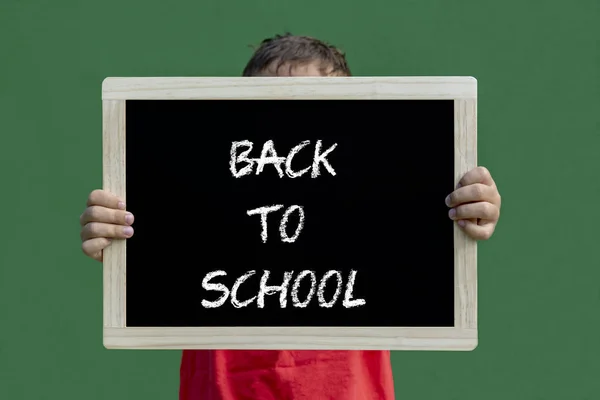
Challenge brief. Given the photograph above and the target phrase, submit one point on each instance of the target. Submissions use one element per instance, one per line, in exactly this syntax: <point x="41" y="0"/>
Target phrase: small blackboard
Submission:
<point x="289" y="213"/>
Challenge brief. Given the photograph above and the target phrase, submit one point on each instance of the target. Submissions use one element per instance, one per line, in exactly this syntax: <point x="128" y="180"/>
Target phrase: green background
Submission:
<point x="537" y="64"/>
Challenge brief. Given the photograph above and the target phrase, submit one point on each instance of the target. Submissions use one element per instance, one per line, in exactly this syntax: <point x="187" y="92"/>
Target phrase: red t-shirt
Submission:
<point x="285" y="375"/>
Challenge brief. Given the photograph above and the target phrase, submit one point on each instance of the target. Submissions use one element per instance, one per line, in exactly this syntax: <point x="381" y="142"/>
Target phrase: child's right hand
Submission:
<point x="103" y="220"/>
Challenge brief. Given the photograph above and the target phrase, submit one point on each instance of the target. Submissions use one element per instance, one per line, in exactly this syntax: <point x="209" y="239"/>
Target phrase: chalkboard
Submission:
<point x="294" y="213"/>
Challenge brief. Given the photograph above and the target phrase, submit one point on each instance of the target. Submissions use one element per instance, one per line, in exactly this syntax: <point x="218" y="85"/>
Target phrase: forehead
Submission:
<point x="288" y="69"/>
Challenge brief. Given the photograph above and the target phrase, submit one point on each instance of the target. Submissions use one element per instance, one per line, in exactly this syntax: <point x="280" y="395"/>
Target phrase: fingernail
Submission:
<point x="452" y="213"/>
<point x="461" y="223"/>
<point x="121" y="205"/>
<point x="128" y="231"/>
<point x="447" y="201"/>
<point x="129" y="218"/>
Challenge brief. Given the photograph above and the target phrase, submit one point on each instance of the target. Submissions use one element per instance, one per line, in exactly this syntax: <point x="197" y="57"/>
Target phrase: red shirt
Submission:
<point x="285" y="375"/>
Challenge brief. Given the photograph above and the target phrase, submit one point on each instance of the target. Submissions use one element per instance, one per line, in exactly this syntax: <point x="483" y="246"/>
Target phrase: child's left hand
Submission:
<point x="475" y="204"/>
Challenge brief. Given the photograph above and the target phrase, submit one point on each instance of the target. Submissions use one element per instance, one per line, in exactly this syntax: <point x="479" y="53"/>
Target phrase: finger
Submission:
<point x="93" y="247"/>
<point x="476" y="175"/>
<point x="481" y="210"/>
<point x="475" y="231"/>
<point x="106" y="215"/>
<point x="105" y="199"/>
<point x="471" y="193"/>
<point x="108" y="231"/>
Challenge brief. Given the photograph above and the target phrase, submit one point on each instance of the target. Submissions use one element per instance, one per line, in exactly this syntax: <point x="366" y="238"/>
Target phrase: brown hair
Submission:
<point x="289" y="51"/>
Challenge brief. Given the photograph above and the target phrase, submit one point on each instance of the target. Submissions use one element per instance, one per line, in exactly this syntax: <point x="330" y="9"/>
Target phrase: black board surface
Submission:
<point x="382" y="215"/>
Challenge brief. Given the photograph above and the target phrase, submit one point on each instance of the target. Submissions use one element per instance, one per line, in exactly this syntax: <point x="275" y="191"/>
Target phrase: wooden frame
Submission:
<point x="463" y="336"/>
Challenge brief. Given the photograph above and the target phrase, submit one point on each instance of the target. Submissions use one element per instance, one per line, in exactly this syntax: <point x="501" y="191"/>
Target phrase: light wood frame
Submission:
<point x="463" y="336"/>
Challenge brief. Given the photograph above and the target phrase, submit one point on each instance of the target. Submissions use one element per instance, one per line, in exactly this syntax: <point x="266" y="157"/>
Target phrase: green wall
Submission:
<point x="537" y="64"/>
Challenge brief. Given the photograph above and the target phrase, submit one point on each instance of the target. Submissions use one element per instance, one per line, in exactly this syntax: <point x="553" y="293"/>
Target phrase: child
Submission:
<point x="286" y="375"/>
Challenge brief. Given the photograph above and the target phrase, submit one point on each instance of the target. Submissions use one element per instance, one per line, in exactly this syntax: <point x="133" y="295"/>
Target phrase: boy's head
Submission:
<point x="288" y="55"/>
